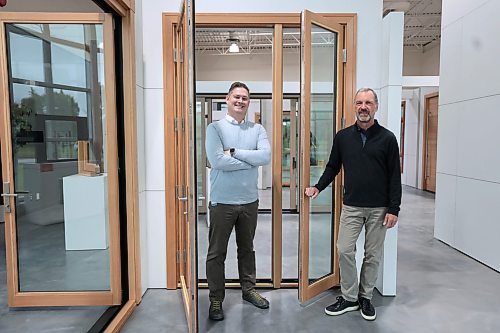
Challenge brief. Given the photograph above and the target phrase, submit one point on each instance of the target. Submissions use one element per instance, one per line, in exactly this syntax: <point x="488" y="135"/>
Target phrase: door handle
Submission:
<point x="16" y="194"/>
<point x="6" y="194"/>
<point x="183" y="199"/>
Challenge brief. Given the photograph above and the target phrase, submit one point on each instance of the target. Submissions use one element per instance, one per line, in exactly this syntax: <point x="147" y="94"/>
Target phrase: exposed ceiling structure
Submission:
<point x="249" y="41"/>
<point x="422" y="31"/>
<point x="422" y="22"/>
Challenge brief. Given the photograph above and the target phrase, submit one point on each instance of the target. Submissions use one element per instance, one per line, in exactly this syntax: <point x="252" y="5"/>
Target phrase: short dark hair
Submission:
<point x="237" y="84"/>
<point x="375" y="97"/>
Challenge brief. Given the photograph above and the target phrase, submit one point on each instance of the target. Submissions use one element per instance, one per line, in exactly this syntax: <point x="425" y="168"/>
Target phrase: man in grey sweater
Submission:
<point x="235" y="149"/>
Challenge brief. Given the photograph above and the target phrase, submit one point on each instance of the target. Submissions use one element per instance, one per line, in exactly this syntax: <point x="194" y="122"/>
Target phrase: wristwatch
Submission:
<point x="231" y="151"/>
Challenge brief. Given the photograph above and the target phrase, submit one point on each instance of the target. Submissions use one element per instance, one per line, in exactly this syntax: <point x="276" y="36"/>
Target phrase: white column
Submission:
<point x="390" y="117"/>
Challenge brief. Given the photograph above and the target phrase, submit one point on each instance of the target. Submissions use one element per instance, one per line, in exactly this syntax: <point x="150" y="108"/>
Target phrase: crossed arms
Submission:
<point x="242" y="158"/>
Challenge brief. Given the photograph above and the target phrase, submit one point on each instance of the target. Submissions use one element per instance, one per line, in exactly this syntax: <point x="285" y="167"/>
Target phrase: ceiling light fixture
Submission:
<point x="234" y="48"/>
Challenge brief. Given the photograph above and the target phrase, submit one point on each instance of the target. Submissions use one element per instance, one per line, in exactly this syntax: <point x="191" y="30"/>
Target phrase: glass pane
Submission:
<point x="286" y="161"/>
<point x="68" y="64"/>
<point x="200" y="154"/>
<point x="46" y="101"/>
<point x="290" y="158"/>
<point x="254" y="50"/>
<point x="323" y="97"/>
<point x="61" y="140"/>
<point x="69" y="32"/>
<point x="27" y="55"/>
<point x="32" y="28"/>
<point x="62" y="237"/>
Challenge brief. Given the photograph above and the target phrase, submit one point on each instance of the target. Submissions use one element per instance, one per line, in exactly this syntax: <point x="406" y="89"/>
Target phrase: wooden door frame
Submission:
<point x="424" y="146"/>
<point x="126" y="10"/>
<point x="308" y="291"/>
<point x="19" y="298"/>
<point x="278" y="22"/>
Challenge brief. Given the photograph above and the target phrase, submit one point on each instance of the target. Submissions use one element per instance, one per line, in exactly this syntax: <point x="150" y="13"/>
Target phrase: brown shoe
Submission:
<point x="256" y="299"/>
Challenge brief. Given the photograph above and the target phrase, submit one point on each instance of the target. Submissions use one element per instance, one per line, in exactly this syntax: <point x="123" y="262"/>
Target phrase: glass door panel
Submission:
<point x="322" y="78"/>
<point x="59" y="153"/>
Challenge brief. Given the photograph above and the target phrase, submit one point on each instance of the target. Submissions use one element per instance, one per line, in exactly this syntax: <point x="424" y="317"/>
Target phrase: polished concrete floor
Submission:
<point x="438" y="290"/>
<point x="51" y="319"/>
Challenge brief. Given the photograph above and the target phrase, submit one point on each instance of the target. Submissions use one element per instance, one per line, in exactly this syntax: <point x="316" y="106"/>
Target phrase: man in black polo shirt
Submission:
<point x="369" y="154"/>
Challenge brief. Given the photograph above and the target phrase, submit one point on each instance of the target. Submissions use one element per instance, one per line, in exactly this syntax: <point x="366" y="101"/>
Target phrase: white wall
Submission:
<point x="418" y="63"/>
<point x="141" y="145"/>
<point x="468" y="181"/>
<point x="150" y="139"/>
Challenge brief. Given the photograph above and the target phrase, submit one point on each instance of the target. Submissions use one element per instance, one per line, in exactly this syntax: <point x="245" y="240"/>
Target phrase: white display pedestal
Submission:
<point x="85" y="212"/>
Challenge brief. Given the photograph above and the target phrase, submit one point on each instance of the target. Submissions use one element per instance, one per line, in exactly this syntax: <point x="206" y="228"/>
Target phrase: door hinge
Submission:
<point x="178" y="256"/>
<point x="181" y="55"/>
<point x="342" y="123"/>
<point x="183" y="124"/>
<point x="344" y="55"/>
<point x="175" y="55"/>
<point x="175" y="124"/>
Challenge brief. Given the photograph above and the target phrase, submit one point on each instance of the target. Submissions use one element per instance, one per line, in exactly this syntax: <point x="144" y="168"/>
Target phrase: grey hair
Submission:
<point x="375" y="97"/>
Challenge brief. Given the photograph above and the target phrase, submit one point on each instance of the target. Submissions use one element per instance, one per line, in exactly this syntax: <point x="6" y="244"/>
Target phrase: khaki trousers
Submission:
<point x="222" y="220"/>
<point x="352" y="221"/>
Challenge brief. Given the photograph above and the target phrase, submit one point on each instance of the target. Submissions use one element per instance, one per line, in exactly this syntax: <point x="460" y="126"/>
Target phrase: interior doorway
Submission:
<point x="430" y="141"/>
<point x="211" y="108"/>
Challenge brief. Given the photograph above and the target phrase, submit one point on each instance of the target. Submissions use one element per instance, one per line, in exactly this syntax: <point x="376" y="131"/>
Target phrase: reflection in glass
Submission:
<point x="68" y="64"/>
<point x="27" y="50"/>
<point x="72" y="32"/>
<point x="323" y="110"/>
<point x="58" y="99"/>
<point x="286" y="162"/>
<point x="60" y="138"/>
